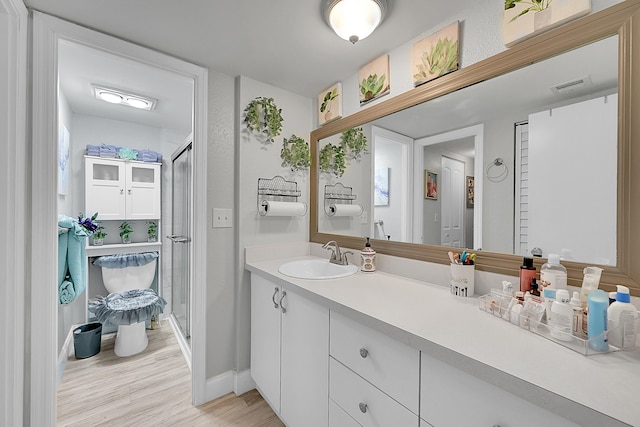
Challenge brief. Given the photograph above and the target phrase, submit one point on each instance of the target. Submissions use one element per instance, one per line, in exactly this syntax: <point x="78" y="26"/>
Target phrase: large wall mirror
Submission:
<point x="528" y="150"/>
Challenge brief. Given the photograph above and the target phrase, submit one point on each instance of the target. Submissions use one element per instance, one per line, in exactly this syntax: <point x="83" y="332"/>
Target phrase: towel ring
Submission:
<point x="498" y="175"/>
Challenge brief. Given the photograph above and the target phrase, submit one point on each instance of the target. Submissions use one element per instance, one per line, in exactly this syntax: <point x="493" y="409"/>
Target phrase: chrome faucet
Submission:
<point x="337" y="256"/>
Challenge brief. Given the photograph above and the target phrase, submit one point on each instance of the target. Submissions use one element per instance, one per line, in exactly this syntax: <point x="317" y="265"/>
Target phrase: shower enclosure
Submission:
<point x="182" y="185"/>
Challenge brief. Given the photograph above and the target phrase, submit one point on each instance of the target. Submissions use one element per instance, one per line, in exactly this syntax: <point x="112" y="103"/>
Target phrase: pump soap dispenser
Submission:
<point x="368" y="258"/>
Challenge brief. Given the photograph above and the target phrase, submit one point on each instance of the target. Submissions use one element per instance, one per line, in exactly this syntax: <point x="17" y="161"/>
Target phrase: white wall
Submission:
<point x="258" y="160"/>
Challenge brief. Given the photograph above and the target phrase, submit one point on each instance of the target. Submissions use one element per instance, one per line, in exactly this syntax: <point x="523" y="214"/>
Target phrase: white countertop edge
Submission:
<point x="541" y="385"/>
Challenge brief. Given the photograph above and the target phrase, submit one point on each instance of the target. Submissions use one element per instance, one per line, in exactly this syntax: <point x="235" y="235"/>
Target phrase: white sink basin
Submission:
<point x="316" y="269"/>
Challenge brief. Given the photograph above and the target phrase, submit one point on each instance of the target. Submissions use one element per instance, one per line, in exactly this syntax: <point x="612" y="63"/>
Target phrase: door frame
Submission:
<point x="48" y="31"/>
<point x="15" y="242"/>
<point x="477" y="132"/>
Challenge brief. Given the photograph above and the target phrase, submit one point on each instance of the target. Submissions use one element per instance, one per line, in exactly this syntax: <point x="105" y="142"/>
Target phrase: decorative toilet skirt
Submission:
<point x="127" y="308"/>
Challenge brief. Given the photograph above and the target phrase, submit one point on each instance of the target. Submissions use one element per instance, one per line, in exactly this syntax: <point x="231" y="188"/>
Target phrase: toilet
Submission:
<point x="128" y="279"/>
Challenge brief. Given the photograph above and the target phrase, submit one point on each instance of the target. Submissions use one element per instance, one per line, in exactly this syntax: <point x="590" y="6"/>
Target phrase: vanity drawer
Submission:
<point x="339" y="418"/>
<point x="391" y="366"/>
<point x="364" y="402"/>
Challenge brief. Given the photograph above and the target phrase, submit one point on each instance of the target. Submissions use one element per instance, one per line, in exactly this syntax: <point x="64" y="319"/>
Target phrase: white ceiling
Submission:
<point x="285" y="43"/>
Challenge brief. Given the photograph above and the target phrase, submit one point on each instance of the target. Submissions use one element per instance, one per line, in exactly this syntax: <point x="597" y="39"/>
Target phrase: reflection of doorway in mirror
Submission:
<point x="452" y="206"/>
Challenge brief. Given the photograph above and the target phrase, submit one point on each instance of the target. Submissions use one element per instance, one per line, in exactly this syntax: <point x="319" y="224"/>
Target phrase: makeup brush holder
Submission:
<point x="462" y="280"/>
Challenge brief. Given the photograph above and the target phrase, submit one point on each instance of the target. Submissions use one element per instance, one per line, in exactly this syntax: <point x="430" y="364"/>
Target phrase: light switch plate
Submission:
<point x="222" y="218"/>
<point x="364" y="218"/>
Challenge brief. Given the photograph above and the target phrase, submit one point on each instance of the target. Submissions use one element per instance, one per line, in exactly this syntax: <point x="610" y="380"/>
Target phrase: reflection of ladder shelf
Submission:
<point x="338" y="194"/>
<point x="276" y="189"/>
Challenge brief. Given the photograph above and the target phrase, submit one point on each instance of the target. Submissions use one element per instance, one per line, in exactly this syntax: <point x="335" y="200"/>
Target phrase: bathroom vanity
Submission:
<point x="388" y="350"/>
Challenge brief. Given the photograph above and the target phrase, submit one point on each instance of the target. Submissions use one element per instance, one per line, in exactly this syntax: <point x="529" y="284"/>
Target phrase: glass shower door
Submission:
<point x="181" y="240"/>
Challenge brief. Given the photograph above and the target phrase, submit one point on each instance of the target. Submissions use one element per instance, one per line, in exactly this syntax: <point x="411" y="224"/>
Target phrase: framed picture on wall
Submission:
<point x="374" y="79"/>
<point x="436" y="55"/>
<point x="330" y="104"/>
<point x="470" y="191"/>
<point x="430" y="185"/>
<point x="381" y="187"/>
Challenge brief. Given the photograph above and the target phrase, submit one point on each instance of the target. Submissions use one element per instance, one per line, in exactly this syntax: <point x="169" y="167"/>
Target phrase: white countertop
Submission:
<point x="427" y="317"/>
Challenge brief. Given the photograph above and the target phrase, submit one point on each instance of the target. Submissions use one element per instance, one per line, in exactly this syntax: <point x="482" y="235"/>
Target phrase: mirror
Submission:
<point x="461" y="89"/>
<point x="560" y="106"/>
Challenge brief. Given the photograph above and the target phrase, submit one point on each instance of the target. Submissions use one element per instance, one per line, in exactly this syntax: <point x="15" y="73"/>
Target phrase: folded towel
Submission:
<point x="66" y="292"/>
<point x="125" y="260"/>
<point x="73" y="268"/>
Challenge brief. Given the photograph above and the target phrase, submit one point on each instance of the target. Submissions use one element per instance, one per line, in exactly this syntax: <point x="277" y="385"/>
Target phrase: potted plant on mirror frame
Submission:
<point x="99" y="235"/>
<point x="125" y="232"/>
<point x="152" y="231"/>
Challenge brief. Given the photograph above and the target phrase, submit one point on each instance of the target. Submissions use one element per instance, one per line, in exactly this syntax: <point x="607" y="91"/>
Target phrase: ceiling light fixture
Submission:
<point x="354" y="20"/>
<point x="117" y="96"/>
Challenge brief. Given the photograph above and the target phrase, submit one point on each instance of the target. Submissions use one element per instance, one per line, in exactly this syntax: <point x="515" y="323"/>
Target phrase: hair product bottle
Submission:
<point x="553" y="274"/>
<point x="527" y="274"/>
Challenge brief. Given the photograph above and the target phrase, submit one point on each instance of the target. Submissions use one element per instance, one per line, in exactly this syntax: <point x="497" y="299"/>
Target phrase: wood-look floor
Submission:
<point x="152" y="388"/>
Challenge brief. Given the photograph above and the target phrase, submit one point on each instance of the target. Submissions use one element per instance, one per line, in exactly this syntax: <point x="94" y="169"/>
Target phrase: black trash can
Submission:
<point x="86" y="340"/>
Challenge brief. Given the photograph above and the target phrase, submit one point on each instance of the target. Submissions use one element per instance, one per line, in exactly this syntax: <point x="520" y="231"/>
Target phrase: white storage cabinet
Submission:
<point x="119" y="189"/>
<point x="289" y="352"/>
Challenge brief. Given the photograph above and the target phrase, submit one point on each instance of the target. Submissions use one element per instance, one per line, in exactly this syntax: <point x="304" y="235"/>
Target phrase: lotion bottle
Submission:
<point x="561" y="316"/>
<point x="576" y="305"/>
<point x="622" y="318"/>
<point x="553" y="274"/>
<point x="368" y="258"/>
<point x="597" y="305"/>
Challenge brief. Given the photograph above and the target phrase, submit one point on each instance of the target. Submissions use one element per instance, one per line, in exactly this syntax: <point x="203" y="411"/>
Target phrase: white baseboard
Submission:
<point x="65" y="352"/>
<point x="230" y="381"/>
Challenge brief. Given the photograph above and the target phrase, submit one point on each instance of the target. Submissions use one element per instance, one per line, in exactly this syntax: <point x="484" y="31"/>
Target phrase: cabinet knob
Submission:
<point x="364" y="353"/>
<point x="129" y="191"/>
<point x="273" y="298"/>
<point x="363" y="407"/>
<point x="121" y="191"/>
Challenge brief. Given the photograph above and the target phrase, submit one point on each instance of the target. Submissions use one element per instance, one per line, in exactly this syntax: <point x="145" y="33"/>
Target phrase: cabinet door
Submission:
<point x="143" y="191"/>
<point x="304" y="362"/>
<point x="104" y="188"/>
<point x="265" y="339"/>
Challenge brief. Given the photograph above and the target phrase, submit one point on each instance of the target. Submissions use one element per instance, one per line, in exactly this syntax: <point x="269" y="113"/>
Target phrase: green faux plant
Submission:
<point x="125" y="230"/>
<point x="534" y="6"/>
<point x="295" y="153"/>
<point x="152" y="229"/>
<point x="99" y="233"/>
<point x="371" y="86"/>
<point x="354" y="143"/>
<point x="441" y="59"/>
<point x="263" y="117"/>
<point x="331" y="159"/>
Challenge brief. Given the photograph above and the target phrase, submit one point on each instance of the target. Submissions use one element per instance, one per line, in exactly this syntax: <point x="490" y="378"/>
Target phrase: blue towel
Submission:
<point x="67" y="292"/>
<point x="74" y="266"/>
<point x="125" y="260"/>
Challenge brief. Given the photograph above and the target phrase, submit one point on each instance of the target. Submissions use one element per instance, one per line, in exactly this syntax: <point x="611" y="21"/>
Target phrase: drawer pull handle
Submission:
<point x="364" y="353"/>
<point x="284" y="294"/>
<point x="363" y="407"/>
<point x="273" y="298"/>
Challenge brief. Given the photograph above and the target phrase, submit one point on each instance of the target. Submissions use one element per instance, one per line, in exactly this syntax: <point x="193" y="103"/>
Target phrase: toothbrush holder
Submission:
<point x="462" y="279"/>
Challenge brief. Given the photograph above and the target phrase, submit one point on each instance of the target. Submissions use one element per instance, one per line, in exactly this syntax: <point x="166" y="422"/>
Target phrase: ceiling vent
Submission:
<point x="572" y="86"/>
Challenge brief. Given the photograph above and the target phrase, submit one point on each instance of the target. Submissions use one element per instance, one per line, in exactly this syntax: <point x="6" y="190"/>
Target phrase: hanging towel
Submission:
<point x="74" y="262"/>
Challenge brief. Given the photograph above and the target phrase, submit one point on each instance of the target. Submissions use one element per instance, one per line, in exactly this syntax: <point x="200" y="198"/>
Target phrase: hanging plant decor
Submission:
<point x="295" y="153"/>
<point x="354" y="143"/>
<point x="263" y="117"/>
<point x="331" y="159"/>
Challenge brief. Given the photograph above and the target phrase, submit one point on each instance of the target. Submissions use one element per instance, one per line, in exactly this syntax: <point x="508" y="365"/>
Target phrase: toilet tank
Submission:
<point x="120" y="272"/>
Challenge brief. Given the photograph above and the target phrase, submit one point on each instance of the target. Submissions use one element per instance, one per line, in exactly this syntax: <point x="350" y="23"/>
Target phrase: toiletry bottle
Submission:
<point x="527" y="274"/>
<point x="576" y="305"/>
<point x="553" y="274"/>
<point x="534" y="288"/>
<point x="561" y="316"/>
<point x="622" y="318"/>
<point x="597" y="305"/>
<point x="590" y="281"/>
<point x="549" y="295"/>
<point x="368" y="258"/>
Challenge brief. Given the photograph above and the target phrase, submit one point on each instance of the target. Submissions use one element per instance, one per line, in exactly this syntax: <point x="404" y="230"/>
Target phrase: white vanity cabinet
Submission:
<point x="450" y="398"/>
<point x="289" y="350"/>
<point x="119" y="189"/>
<point x="373" y="378"/>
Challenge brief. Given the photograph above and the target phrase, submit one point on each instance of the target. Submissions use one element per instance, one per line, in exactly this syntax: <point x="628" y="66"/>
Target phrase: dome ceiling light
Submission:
<point x="354" y="20"/>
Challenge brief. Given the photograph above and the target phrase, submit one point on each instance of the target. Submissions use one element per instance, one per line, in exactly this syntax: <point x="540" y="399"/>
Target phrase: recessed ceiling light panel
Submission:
<point x="118" y="96"/>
